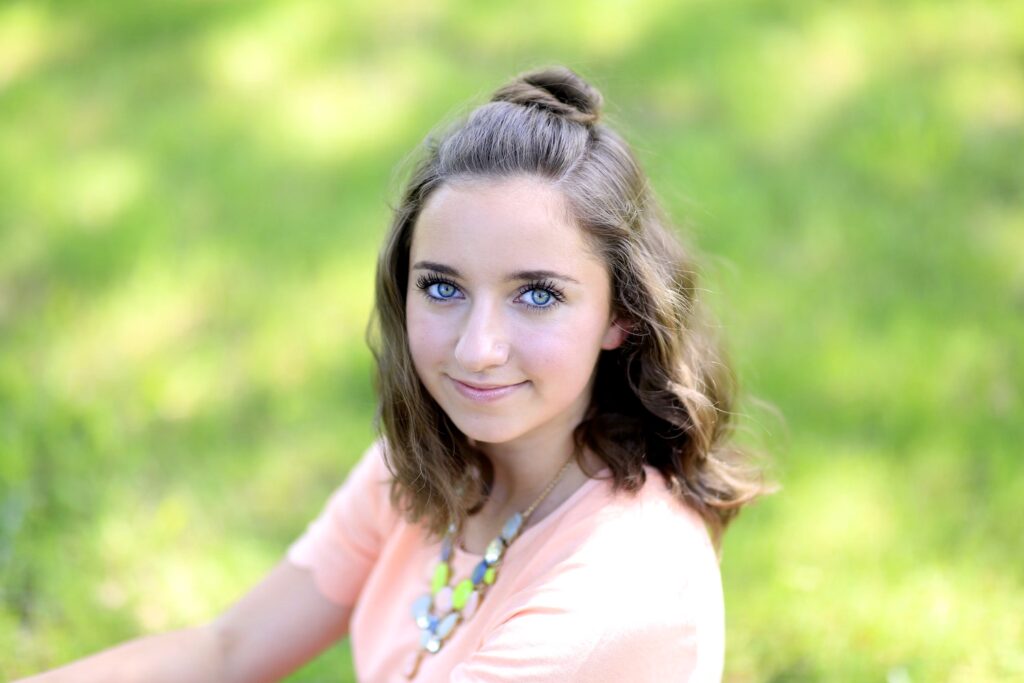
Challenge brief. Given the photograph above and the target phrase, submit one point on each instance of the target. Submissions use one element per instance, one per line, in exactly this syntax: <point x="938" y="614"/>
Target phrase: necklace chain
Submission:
<point x="544" y="494"/>
<point x="438" y="612"/>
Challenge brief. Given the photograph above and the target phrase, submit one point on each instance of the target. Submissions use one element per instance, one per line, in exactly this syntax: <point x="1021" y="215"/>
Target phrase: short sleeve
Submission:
<point x="342" y="544"/>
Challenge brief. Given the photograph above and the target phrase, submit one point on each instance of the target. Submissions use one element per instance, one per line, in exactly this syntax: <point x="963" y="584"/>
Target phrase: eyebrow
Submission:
<point x="512" y="277"/>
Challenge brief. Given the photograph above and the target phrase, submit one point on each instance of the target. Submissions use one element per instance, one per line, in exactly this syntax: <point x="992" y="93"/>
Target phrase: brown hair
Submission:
<point x="663" y="398"/>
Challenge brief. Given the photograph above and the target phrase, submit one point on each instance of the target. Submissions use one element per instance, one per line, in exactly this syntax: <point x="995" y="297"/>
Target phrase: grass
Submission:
<point x="191" y="197"/>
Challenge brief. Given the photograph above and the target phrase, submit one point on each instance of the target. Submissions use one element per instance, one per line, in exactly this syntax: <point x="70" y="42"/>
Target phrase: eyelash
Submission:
<point x="545" y="286"/>
<point x="424" y="282"/>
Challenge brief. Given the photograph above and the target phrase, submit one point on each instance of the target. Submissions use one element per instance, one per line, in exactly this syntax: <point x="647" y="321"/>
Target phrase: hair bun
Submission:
<point x="555" y="89"/>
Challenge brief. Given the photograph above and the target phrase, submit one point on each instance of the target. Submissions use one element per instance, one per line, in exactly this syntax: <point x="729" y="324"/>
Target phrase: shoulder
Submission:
<point x="621" y="529"/>
<point x="646" y="556"/>
<point x="651" y="563"/>
<point x="622" y="587"/>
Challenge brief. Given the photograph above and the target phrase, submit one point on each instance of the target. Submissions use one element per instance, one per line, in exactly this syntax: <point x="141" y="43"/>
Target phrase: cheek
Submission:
<point x="565" y="358"/>
<point x="422" y="335"/>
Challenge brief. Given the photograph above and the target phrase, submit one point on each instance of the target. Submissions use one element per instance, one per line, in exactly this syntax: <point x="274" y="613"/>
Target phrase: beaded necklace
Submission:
<point x="438" y="612"/>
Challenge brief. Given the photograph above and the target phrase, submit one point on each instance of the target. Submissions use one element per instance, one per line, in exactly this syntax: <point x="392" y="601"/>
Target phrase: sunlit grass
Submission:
<point x="27" y="37"/>
<point x="272" y="61"/>
<point x="191" y="198"/>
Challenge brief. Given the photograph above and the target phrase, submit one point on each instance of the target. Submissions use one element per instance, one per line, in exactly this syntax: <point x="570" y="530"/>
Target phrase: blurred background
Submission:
<point x="192" y="195"/>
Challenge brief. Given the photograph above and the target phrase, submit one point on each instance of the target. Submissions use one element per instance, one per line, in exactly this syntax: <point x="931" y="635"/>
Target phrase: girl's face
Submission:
<point x="507" y="309"/>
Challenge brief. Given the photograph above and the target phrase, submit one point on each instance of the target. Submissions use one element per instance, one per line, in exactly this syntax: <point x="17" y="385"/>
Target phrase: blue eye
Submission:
<point x="442" y="290"/>
<point x="539" y="297"/>
<point x="437" y="288"/>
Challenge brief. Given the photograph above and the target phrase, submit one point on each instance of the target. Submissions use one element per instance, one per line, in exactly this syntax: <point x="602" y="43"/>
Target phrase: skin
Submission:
<point x="478" y="328"/>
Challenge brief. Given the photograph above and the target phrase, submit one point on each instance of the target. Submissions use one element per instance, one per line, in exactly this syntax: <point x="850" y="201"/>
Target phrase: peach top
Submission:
<point x="608" y="587"/>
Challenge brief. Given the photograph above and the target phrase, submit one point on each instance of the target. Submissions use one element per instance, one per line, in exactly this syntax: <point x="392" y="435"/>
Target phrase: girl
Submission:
<point x="553" y="472"/>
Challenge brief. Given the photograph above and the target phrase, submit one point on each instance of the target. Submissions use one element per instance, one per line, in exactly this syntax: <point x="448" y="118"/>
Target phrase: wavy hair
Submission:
<point x="663" y="398"/>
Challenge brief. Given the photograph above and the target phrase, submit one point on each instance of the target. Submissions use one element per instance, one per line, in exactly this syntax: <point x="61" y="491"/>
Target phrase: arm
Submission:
<point x="279" y="625"/>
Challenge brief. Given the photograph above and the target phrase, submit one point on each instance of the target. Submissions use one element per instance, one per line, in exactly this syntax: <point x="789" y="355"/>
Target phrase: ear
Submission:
<point x="616" y="333"/>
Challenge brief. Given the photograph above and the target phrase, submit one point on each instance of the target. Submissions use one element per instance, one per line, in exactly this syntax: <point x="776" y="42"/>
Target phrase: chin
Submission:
<point x="485" y="431"/>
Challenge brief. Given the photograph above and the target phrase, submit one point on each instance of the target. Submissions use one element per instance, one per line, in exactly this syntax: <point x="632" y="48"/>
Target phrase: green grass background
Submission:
<point x="192" y="194"/>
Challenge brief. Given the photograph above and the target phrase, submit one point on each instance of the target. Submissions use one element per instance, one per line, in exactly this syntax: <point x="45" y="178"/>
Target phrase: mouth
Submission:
<point x="485" y="392"/>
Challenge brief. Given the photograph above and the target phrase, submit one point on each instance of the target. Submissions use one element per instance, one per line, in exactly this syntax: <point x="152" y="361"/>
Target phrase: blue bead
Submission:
<point x="511" y="528"/>
<point x="479" y="571"/>
<point x="446" y="625"/>
<point x="446" y="548"/>
<point x="431" y="623"/>
<point x="421" y="610"/>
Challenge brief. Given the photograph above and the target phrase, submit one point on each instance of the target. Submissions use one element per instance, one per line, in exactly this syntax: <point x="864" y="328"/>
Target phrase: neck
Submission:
<point x="525" y="466"/>
<point x="523" y="470"/>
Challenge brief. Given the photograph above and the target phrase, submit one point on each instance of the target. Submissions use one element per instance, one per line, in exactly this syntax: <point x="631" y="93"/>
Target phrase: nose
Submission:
<point x="484" y="342"/>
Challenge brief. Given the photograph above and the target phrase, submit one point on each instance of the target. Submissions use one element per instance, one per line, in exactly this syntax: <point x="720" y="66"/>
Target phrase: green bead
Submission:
<point x="489" y="576"/>
<point x="440" y="577"/>
<point x="461" y="594"/>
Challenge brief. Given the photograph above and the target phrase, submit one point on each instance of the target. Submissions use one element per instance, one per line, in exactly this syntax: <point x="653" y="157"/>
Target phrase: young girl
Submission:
<point x="553" y="472"/>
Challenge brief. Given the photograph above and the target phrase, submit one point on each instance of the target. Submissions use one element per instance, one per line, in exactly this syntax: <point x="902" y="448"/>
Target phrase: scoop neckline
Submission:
<point x="590" y="483"/>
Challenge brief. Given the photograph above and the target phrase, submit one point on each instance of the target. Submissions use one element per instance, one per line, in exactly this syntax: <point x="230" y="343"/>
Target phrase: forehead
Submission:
<point x="500" y="223"/>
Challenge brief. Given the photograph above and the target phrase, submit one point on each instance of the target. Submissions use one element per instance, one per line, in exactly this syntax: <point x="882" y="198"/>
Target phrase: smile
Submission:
<point x="484" y="393"/>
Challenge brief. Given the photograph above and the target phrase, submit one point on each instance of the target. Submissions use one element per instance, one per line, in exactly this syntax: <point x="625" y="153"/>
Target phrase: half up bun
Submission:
<point x="555" y="89"/>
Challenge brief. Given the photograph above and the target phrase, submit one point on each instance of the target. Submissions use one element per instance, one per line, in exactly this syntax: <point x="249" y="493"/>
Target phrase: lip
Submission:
<point x="484" y="393"/>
